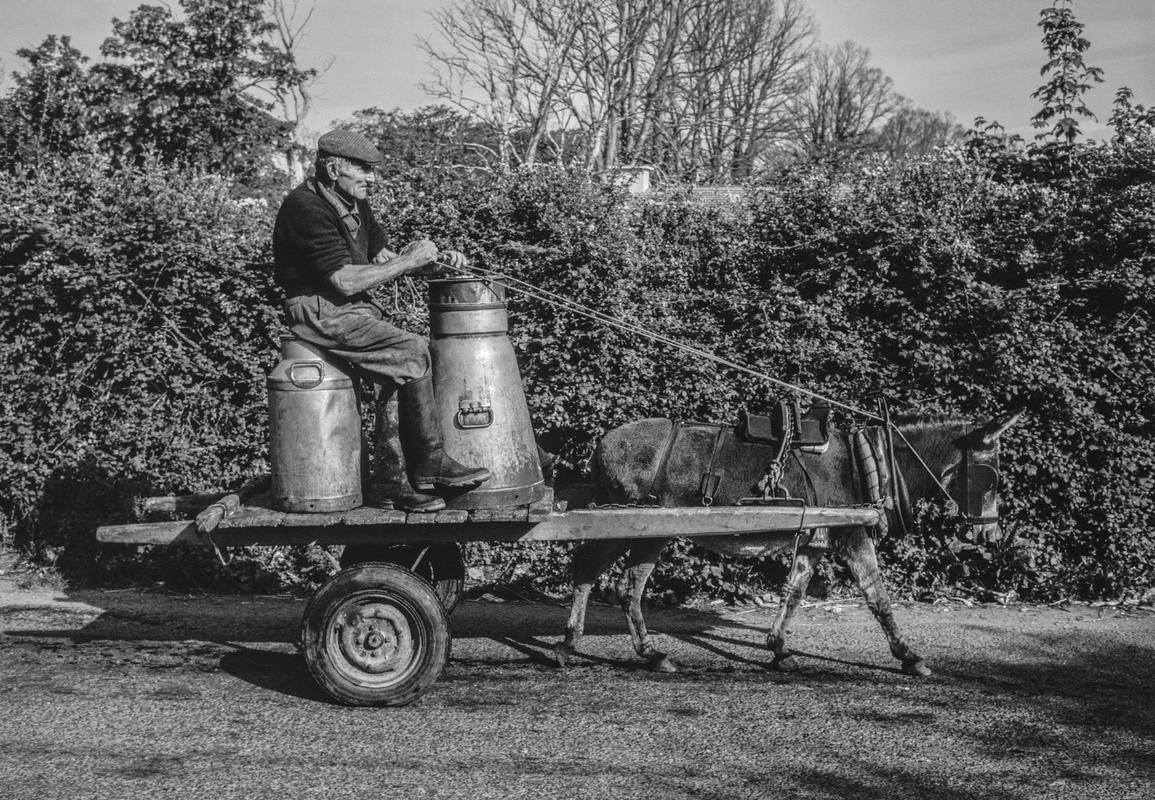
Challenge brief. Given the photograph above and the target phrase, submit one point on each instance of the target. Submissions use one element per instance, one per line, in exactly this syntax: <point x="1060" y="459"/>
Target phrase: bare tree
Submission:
<point x="509" y="64"/>
<point x="914" y="131"/>
<point x="696" y="86"/>
<point x="745" y="61"/>
<point x="845" y="99"/>
<point x="689" y="85"/>
<point x="289" y="20"/>
<point x="626" y="53"/>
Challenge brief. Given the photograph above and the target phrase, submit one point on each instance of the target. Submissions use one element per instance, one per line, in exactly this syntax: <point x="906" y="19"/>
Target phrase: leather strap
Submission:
<point x="713" y="477"/>
<point x="660" y="472"/>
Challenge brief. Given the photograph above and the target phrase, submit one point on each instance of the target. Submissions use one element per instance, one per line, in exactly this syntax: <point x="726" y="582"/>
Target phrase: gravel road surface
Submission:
<point x="135" y="694"/>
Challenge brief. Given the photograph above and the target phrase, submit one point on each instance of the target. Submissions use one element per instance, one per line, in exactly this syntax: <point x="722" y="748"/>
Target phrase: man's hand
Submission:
<point x="386" y="267"/>
<point x="449" y="262"/>
<point x="456" y="261"/>
<point x="422" y="253"/>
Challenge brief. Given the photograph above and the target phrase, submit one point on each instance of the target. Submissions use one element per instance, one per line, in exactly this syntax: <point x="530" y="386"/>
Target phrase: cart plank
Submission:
<point x="183" y="505"/>
<point x="302" y="520"/>
<point x="250" y="517"/>
<point x="180" y="532"/>
<point x="208" y="519"/>
<point x="505" y="514"/>
<point x="541" y="510"/>
<point x="374" y="516"/>
<point x="580" y="525"/>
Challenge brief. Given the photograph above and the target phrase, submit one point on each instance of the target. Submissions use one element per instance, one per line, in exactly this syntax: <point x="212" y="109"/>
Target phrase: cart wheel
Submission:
<point x="375" y="635"/>
<point x="441" y="565"/>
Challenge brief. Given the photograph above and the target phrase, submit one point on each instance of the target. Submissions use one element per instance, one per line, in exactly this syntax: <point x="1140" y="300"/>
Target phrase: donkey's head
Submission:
<point x="963" y="459"/>
<point x="973" y="480"/>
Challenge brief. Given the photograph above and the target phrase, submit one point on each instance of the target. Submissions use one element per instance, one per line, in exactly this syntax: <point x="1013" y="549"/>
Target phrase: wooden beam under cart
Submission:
<point x="263" y="526"/>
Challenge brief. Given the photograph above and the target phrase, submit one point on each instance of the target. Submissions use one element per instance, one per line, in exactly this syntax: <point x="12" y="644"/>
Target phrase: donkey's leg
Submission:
<point x="805" y="560"/>
<point x="863" y="563"/>
<point x="589" y="561"/>
<point x="640" y="564"/>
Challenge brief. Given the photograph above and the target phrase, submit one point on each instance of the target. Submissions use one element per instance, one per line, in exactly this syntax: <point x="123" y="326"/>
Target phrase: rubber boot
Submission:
<point x="429" y="465"/>
<point x="390" y="487"/>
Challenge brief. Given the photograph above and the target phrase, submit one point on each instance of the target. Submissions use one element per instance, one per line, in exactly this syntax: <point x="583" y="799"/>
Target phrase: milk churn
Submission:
<point x="480" y="400"/>
<point x="315" y="431"/>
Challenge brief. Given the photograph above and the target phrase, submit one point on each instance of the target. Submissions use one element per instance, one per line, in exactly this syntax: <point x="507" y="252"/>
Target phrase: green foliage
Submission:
<point x="46" y="112"/>
<point x="141" y="321"/>
<point x="185" y="88"/>
<point x="1070" y="77"/>
<point x="195" y="89"/>
<point x="138" y="325"/>
<point x="969" y="281"/>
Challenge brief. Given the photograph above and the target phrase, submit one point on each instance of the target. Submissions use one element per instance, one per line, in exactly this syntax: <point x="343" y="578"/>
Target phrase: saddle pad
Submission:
<point x="711" y="461"/>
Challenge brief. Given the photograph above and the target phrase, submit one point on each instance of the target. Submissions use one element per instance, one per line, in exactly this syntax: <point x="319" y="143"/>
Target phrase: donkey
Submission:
<point x="656" y="459"/>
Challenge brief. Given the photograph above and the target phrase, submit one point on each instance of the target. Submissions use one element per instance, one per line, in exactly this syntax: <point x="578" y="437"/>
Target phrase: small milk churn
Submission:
<point x="315" y="431"/>
<point x="480" y="400"/>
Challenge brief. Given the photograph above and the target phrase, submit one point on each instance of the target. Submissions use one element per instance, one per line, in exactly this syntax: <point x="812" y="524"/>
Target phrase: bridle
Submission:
<point x="975" y="479"/>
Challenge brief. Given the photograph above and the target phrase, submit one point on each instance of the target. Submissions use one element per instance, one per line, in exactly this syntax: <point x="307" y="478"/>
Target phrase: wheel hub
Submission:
<point x="375" y="638"/>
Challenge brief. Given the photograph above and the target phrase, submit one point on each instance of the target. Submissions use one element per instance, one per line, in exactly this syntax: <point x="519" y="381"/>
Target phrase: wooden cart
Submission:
<point x="377" y="632"/>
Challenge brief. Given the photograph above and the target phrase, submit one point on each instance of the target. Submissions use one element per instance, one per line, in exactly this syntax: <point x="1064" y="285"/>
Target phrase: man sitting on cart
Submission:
<point x="328" y="250"/>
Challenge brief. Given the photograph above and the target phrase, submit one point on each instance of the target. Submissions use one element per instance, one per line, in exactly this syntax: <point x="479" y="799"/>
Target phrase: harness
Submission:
<point x="975" y="481"/>
<point x="711" y="478"/>
<point x="658" y="483"/>
<point x="882" y="484"/>
<point x="768" y="441"/>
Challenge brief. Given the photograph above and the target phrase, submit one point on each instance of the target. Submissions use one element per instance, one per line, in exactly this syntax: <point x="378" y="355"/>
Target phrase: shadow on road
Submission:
<point x="1090" y="679"/>
<point x="1024" y="703"/>
<point x="154" y="616"/>
<point x="1094" y="686"/>
<point x="534" y="629"/>
<point x="856" y="664"/>
<point x="284" y="673"/>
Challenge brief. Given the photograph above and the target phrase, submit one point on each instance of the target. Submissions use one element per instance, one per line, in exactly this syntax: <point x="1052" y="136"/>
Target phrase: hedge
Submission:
<point x="141" y="321"/>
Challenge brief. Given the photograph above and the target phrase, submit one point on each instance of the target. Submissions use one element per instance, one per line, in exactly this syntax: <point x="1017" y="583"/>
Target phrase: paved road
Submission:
<point x="127" y="694"/>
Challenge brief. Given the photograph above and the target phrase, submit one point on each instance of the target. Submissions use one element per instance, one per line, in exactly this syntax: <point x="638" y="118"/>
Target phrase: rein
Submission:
<point x="576" y="308"/>
<point x="565" y="303"/>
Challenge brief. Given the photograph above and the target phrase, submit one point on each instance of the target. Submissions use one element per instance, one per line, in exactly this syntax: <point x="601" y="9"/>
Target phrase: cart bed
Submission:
<point x="256" y="523"/>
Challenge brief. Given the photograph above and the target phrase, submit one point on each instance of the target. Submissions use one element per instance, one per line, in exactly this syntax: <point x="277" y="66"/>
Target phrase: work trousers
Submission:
<point x="358" y="332"/>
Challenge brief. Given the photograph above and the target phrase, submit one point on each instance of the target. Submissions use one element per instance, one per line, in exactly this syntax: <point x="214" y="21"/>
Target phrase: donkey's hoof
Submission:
<point x="562" y="653"/>
<point x="660" y="662"/>
<point x="786" y="663"/>
<point x="916" y="667"/>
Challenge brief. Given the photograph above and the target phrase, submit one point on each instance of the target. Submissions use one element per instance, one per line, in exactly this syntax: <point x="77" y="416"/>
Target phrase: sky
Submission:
<point x="967" y="57"/>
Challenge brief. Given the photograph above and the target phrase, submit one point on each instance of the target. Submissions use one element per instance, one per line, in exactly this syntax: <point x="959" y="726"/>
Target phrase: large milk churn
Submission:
<point x="480" y="400"/>
<point x="315" y="431"/>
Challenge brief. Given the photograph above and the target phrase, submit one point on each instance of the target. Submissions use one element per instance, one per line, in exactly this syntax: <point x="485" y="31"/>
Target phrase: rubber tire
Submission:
<point x="442" y="565"/>
<point x="414" y="613"/>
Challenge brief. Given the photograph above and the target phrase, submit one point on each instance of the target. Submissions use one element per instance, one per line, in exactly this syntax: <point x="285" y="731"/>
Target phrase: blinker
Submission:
<point x="980" y="482"/>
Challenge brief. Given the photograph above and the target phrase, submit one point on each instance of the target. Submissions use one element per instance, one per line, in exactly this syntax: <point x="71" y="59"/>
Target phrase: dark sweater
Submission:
<point x="310" y="242"/>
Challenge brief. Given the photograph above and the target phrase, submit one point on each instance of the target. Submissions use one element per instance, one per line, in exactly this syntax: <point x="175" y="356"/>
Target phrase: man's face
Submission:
<point x="353" y="178"/>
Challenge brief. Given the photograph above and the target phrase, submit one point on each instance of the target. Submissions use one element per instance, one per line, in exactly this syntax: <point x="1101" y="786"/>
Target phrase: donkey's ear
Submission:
<point x="994" y="429"/>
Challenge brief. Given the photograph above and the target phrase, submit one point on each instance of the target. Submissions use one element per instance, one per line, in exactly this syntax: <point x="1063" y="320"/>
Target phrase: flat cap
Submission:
<point x="349" y="144"/>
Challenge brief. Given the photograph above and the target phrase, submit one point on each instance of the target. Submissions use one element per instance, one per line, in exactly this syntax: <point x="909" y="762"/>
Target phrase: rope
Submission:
<point x="928" y="470"/>
<point x="549" y="297"/>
